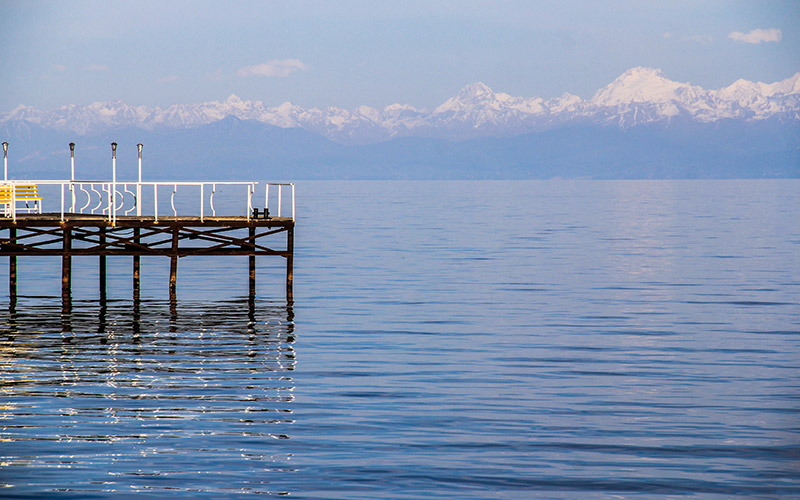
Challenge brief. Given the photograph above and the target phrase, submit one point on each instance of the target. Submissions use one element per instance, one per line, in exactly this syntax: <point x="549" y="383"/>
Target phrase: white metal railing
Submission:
<point x="279" y="188"/>
<point x="112" y="199"/>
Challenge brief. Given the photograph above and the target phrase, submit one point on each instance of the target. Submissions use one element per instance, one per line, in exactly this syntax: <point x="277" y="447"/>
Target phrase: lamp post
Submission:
<point x="72" y="160"/>
<point x="5" y="159"/>
<point x="113" y="208"/>
<point x="139" y="185"/>
<point x="72" y="173"/>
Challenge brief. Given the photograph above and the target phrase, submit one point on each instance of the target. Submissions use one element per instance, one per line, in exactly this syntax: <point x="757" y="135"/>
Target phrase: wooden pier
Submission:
<point x="48" y="234"/>
<point x="133" y="218"/>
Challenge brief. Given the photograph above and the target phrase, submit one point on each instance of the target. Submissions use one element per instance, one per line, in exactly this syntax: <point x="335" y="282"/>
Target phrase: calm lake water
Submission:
<point x="543" y="339"/>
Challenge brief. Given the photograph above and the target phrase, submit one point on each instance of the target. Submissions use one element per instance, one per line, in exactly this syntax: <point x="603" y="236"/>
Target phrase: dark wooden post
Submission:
<point x="290" y="264"/>
<point x="66" y="264"/>
<point x="173" y="264"/>
<point x="12" y="270"/>
<point x="136" y="266"/>
<point x="136" y="321"/>
<point x="252" y="262"/>
<point x="173" y="282"/>
<point x="101" y="323"/>
<point x="102" y="264"/>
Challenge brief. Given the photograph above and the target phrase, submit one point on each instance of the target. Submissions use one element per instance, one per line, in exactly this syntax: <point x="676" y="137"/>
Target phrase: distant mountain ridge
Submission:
<point x="640" y="126"/>
<point x="637" y="97"/>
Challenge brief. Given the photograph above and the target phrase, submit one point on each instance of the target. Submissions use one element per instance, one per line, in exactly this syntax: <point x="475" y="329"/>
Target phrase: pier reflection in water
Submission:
<point x="154" y="395"/>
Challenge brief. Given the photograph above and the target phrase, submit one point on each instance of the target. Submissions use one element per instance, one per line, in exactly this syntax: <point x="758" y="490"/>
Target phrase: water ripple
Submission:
<point x="109" y="399"/>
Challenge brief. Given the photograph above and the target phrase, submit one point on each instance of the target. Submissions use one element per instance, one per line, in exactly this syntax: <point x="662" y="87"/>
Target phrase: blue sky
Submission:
<point x="347" y="53"/>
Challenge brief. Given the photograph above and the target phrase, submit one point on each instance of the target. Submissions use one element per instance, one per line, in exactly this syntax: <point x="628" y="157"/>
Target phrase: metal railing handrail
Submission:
<point x="114" y="193"/>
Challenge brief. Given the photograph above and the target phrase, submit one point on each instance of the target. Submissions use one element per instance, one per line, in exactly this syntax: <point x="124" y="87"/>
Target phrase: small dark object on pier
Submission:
<point x="264" y="214"/>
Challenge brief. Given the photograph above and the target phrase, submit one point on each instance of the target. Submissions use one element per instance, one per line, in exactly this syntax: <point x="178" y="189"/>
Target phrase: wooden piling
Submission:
<point x="66" y="264"/>
<point x="252" y="262"/>
<point x="290" y="265"/>
<point x="173" y="275"/>
<point x="66" y="280"/>
<point x="12" y="270"/>
<point x="136" y="270"/>
<point x="102" y="241"/>
<point x="173" y="264"/>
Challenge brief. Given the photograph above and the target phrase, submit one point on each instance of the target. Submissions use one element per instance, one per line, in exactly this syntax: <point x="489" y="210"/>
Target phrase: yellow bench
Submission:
<point x="26" y="193"/>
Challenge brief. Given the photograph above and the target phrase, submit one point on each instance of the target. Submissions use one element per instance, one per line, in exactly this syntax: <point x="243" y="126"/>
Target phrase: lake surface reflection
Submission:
<point x="470" y="340"/>
<point x="153" y="396"/>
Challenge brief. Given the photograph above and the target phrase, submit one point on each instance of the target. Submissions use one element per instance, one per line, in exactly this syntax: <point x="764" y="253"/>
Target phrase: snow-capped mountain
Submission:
<point x="643" y="95"/>
<point x="638" y="96"/>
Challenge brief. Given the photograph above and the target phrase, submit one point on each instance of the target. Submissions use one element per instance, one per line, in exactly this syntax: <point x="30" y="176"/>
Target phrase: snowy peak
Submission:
<point x="476" y="94"/>
<point x="22" y="112"/>
<point x="639" y="85"/>
<point x="789" y="86"/>
<point x="481" y="105"/>
<point x="744" y="90"/>
<point x="639" y="95"/>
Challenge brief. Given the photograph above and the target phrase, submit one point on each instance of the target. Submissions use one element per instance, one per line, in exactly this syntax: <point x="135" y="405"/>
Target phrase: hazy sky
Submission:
<point x="347" y="53"/>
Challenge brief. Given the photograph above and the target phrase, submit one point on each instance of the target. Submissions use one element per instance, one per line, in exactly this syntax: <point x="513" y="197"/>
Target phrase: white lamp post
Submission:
<point x="5" y="159"/>
<point x="139" y="185"/>
<point x="72" y="173"/>
<point x="113" y="208"/>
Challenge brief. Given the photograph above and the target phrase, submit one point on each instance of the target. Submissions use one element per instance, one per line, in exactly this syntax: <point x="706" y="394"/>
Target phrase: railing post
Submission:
<point x="14" y="202"/>
<point x="280" y="194"/>
<point x="211" y="200"/>
<point x="155" y="201"/>
<point x="249" y="200"/>
<point x="202" y="201"/>
<point x="293" y="201"/>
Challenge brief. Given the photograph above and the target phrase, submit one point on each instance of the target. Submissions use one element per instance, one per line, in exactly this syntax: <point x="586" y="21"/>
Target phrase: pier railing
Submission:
<point x="142" y="199"/>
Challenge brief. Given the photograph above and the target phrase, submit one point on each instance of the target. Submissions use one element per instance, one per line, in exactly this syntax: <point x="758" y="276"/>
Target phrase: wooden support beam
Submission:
<point x="12" y="271"/>
<point x="173" y="264"/>
<point x="173" y="275"/>
<point x="66" y="264"/>
<point x="66" y="314"/>
<point x="290" y="266"/>
<point x="102" y="240"/>
<point x="252" y="262"/>
<point x="136" y="271"/>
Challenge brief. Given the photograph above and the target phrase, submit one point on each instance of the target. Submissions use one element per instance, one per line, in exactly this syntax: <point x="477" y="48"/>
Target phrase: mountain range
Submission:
<point x="640" y="125"/>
